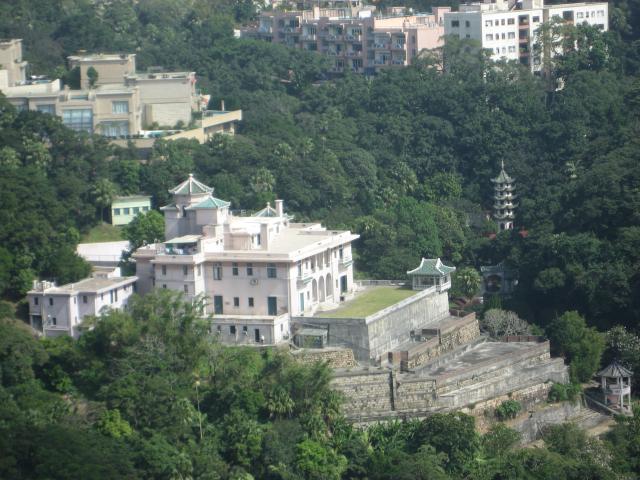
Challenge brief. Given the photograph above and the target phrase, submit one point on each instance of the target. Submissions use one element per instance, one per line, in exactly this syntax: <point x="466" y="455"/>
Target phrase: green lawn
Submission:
<point x="104" y="232"/>
<point x="370" y="301"/>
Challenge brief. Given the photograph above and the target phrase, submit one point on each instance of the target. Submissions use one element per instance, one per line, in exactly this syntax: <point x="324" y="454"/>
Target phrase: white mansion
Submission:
<point x="255" y="271"/>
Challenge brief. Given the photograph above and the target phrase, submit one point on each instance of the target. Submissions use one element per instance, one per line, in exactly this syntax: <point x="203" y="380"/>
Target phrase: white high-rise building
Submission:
<point x="255" y="271"/>
<point x="508" y="28"/>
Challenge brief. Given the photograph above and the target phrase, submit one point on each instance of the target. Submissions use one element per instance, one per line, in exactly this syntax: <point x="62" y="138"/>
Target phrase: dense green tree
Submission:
<point x="144" y="228"/>
<point x="581" y="346"/>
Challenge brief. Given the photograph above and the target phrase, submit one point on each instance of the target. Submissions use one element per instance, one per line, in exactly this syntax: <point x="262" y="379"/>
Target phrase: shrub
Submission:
<point x="560" y="392"/>
<point x="508" y="409"/>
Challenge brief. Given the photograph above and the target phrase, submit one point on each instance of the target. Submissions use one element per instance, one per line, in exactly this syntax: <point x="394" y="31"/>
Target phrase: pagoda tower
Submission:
<point x="503" y="200"/>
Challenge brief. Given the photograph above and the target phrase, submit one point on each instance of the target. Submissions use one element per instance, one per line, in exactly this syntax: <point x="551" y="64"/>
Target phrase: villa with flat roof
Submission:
<point x="255" y="271"/>
<point x="60" y="310"/>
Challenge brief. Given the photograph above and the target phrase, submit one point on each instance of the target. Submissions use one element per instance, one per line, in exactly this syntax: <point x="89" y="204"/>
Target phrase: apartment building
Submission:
<point x="60" y="310"/>
<point x="508" y="28"/>
<point x="120" y="104"/>
<point x="353" y="35"/>
<point x="13" y="69"/>
<point x="255" y="271"/>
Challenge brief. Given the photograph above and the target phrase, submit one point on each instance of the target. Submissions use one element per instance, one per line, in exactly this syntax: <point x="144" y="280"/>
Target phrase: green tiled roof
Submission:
<point x="191" y="186"/>
<point x="210" y="202"/>
<point x="433" y="267"/>
<point x="267" y="211"/>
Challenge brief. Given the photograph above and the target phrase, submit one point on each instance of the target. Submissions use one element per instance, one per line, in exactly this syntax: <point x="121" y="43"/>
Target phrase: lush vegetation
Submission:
<point x="404" y="159"/>
<point x="148" y="394"/>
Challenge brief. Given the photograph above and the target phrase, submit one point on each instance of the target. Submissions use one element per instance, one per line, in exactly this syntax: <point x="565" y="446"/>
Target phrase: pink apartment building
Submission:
<point x="355" y="37"/>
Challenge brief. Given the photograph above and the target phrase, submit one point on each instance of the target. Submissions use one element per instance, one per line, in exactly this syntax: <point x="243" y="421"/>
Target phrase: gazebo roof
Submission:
<point x="615" y="370"/>
<point x="191" y="186"/>
<point x="267" y="211"/>
<point x="432" y="267"/>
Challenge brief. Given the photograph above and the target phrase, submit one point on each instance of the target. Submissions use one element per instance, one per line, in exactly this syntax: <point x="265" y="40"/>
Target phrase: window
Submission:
<point x="488" y="23"/>
<point x="54" y="321"/>
<point x="49" y="108"/>
<point x="503" y="36"/>
<point x="115" y="294"/>
<point x="580" y="15"/>
<point x="299" y="269"/>
<point x="116" y="211"/>
<point x="467" y="23"/>
<point x="455" y="23"/>
<point x="341" y="252"/>
<point x="85" y="299"/>
<point x="120" y="107"/>
<point x="467" y="36"/>
<point x="164" y="269"/>
<point x="51" y="302"/>
<point x="234" y="269"/>
<point x="502" y="22"/>
<point x="35" y="301"/>
<point x="136" y="210"/>
<point x="217" y="271"/>
<point x="536" y="19"/>
<point x="249" y="269"/>
<point x="199" y="270"/>
<point x="511" y="21"/>
<point x="272" y="271"/>
<point x="78" y="119"/>
<point x="245" y="330"/>
<point x="75" y="300"/>
<point x="236" y="301"/>
<point x="185" y="270"/>
<point x="488" y="36"/>
<point x="251" y="301"/>
<point x="511" y="35"/>
<point x="114" y="129"/>
<point x="232" y="329"/>
<point x="127" y="211"/>
<point x="186" y="289"/>
<point x="164" y="285"/>
<point x="111" y="296"/>
<point x="145" y="209"/>
<point x="512" y="49"/>
<point x="219" y="328"/>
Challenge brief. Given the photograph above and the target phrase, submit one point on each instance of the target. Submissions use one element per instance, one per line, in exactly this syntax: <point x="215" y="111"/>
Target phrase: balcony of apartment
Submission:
<point x="304" y="278"/>
<point x="397" y="45"/>
<point x="523" y="22"/>
<point x="345" y="262"/>
<point x="308" y="37"/>
<point x="378" y="45"/>
<point x="353" y="53"/>
<point x="398" y="61"/>
<point x="352" y="37"/>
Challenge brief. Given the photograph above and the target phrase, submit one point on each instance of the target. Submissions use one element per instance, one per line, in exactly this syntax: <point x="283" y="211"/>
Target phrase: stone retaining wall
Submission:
<point x="464" y="332"/>
<point x="335" y="357"/>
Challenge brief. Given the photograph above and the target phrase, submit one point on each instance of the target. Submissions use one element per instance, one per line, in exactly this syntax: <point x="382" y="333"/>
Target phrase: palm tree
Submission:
<point x="103" y="192"/>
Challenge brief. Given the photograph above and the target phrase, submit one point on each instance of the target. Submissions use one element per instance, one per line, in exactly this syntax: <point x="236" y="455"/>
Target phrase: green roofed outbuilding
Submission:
<point x="431" y="273"/>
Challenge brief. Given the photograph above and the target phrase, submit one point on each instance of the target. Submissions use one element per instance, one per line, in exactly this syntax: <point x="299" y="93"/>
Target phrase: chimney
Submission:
<point x="222" y="105"/>
<point x="280" y="208"/>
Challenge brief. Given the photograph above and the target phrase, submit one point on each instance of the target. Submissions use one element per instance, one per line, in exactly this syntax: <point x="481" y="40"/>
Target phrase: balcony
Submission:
<point x="309" y="37"/>
<point x="354" y="53"/>
<point x="398" y="46"/>
<point x="381" y="46"/>
<point x="304" y="279"/>
<point x="345" y="262"/>
<point x="397" y="62"/>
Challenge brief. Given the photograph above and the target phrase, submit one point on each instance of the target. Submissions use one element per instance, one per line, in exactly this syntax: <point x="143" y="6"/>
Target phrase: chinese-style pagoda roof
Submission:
<point x="267" y="211"/>
<point x="210" y="202"/>
<point x="432" y="267"/>
<point x="503" y="177"/>
<point x="191" y="186"/>
<point x="615" y="370"/>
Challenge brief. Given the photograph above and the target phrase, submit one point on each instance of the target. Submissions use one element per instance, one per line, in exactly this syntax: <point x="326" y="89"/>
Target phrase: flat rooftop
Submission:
<point x="369" y="301"/>
<point x="88" y="285"/>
